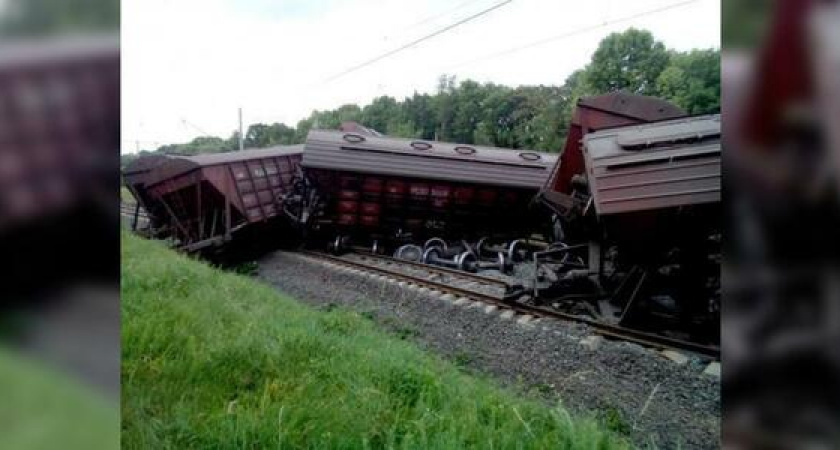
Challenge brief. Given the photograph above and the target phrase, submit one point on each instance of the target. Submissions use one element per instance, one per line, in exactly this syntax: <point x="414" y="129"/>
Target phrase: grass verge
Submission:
<point x="216" y="360"/>
<point x="42" y="408"/>
<point x="126" y="196"/>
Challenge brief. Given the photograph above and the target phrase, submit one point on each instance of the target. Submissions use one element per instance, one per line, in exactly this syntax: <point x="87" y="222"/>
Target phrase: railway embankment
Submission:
<point x="214" y="359"/>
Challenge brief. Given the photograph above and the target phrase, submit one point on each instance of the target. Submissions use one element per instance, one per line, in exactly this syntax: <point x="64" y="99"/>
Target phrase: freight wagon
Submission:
<point x="364" y="187"/>
<point x="202" y="201"/>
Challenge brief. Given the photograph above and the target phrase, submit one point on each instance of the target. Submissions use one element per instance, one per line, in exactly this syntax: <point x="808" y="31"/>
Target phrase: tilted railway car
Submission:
<point x="643" y="215"/>
<point x="202" y="201"/>
<point x="365" y="187"/>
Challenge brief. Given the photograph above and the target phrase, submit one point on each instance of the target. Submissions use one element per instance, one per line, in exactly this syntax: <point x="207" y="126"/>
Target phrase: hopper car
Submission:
<point x="363" y="188"/>
<point x="201" y="202"/>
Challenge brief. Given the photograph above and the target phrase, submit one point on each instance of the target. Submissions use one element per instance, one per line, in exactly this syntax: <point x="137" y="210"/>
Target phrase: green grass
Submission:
<point x="126" y="196"/>
<point x="217" y="360"/>
<point x="41" y="408"/>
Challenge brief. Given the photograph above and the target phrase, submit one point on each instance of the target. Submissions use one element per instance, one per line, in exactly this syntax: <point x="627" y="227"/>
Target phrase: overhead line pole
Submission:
<point x="241" y="136"/>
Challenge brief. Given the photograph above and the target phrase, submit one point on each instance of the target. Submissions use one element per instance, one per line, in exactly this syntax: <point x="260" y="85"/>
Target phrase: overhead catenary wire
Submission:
<point x="573" y="33"/>
<point x="417" y="41"/>
<point x="186" y="122"/>
<point x="439" y="15"/>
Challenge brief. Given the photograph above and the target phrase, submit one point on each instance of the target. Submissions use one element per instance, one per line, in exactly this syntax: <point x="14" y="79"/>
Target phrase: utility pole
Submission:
<point x="241" y="136"/>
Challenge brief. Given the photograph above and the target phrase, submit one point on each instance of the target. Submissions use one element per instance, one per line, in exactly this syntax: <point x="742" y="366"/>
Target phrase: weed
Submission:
<point x="614" y="421"/>
<point x="463" y="359"/>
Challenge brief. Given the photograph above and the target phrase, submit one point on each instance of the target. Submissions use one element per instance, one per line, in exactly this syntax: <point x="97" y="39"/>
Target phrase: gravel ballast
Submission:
<point x="636" y="391"/>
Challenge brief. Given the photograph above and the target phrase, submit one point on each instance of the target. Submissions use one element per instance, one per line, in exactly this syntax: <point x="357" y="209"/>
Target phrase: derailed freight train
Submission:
<point x="624" y="225"/>
<point x="364" y="189"/>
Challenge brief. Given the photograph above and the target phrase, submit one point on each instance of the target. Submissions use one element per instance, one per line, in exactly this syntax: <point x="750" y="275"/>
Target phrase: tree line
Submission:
<point x="524" y="117"/>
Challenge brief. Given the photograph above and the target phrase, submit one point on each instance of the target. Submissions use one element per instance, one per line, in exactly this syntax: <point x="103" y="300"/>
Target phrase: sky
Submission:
<point x="189" y="65"/>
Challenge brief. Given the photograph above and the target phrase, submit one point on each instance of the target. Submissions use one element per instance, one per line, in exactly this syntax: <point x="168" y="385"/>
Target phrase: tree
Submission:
<point x="261" y="135"/>
<point x="466" y="111"/>
<point x="692" y="81"/>
<point x="420" y="109"/>
<point x="444" y="106"/>
<point x="630" y="61"/>
<point x="349" y="112"/>
<point x="527" y="117"/>
<point x="379" y="112"/>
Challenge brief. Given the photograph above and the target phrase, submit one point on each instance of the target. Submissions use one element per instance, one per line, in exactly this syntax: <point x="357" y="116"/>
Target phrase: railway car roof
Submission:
<point x="179" y="165"/>
<point x="337" y="150"/>
<point x="688" y="134"/>
<point x="211" y="159"/>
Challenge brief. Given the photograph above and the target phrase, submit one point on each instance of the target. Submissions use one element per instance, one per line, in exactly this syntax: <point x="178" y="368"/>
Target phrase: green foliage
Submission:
<point x="692" y="81"/>
<point x="629" y="61"/>
<point x="261" y="135"/>
<point x="215" y="360"/>
<point x="614" y="421"/>
<point x="201" y="144"/>
<point x="529" y="117"/>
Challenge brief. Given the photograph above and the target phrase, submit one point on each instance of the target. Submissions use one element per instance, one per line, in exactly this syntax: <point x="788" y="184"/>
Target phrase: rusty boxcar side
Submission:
<point x="658" y="165"/>
<point x="383" y="186"/>
<point x="204" y="199"/>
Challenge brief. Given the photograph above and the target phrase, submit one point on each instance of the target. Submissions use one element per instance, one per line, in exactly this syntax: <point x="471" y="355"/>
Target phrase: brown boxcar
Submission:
<point x="385" y="187"/>
<point x="202" y="200"/>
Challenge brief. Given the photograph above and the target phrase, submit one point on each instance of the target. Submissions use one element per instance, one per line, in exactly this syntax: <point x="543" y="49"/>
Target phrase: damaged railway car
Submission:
<point x="363" y="188"/>
<point x="202" y="201"/>
<point x="640" y="208"/>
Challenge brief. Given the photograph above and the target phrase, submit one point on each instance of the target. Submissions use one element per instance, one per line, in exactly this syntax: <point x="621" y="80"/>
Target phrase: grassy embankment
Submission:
<point x="126" y="196"/>
<point x="43" y="408"/>
<point x="215" y="360"/>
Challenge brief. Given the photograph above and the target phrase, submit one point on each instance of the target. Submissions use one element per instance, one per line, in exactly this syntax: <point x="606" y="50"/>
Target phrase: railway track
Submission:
<point x="491" y="286"/>
<point x="127" y="210"/>
<point x="469" y="286"/>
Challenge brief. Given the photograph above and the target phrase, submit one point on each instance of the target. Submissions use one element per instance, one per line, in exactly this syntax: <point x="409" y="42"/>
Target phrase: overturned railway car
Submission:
<point x="642" y="224"/>
<point x="201" y="201"/>
<point x="363" y="187"/>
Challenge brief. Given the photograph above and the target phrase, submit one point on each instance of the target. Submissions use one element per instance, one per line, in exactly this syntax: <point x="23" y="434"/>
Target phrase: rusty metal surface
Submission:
<point x="664" y="164"/>
<point x="429" y="160"/>
<point x="179" y="164"/>
<point x="638" y="108"/>
<point x="144" y="164"/>
<point x="202" y="199"/>
<point x="602" y="112"/>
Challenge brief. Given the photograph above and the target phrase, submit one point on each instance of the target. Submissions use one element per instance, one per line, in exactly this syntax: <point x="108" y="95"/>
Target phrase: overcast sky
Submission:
<point x="187" y="65"/>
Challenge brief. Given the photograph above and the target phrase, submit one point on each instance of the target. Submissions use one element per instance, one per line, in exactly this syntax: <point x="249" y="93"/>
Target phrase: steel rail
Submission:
<point x="128" y="210"/>
<point x="437" y="269"/>
<point x="605" y="329"/>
